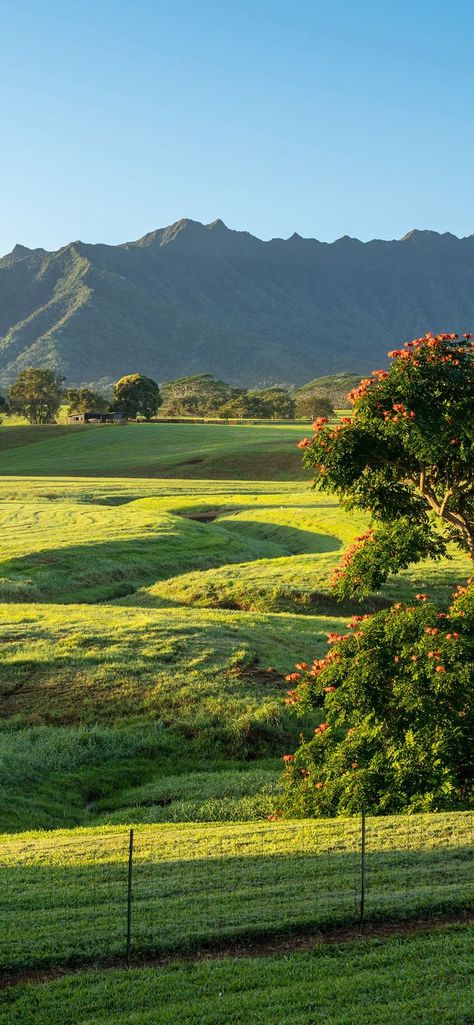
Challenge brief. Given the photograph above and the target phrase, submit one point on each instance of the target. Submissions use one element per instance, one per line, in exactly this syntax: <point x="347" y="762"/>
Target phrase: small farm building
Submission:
<point x="96" y="418"/>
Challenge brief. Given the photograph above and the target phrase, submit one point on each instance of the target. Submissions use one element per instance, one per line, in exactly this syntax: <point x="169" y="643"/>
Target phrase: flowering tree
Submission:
<point x="393" y="703"/>
<point x="393" y="697"/>
<point x="407" y="456"/>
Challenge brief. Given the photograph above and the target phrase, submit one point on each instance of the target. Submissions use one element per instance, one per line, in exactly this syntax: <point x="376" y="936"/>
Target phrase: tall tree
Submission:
<point x="199" y="395"/>
<point x="243" y="405"/>
<point x="37" y="394"/>
<point x="277" y="402"/>
<point x="311" y="405"/>
<point x="137" y="395"/>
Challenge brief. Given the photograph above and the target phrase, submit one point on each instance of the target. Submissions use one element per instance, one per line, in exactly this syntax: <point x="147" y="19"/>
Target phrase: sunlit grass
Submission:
<point x="64" y="893"/>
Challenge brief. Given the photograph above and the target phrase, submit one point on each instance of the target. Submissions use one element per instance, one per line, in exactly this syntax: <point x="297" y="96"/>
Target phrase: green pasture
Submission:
<point x="234" y="452"/>
<point x="424" y="979"/>
<point x="256" y="547"/>
<point x="63" y="894"/>
<point x="180" y="604"/>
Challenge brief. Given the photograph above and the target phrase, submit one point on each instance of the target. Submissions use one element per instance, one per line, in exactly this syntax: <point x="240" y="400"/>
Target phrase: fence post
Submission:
<point x="362" y="870"/>
<point x="129" y="896"/>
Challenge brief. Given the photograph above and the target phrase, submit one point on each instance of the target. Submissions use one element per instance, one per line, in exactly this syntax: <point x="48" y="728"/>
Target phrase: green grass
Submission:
<point x="198" y="668"/>
<point x="64" y="893"/>
<point x="261" y="547"/>
<point x="233" y="795"/>
<point x="253" y="452"/>
<point x="57" y="776"/>
<point x="146" y="628"/>
<point x="423" y="980"/>
<point x="223" y="588"/>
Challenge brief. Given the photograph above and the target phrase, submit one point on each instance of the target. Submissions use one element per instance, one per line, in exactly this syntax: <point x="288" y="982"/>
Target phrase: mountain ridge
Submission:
<point x="194" y="297"/>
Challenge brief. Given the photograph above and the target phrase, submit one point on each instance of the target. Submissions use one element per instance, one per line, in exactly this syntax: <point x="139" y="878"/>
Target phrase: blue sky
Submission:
<point x="325" y="118"/>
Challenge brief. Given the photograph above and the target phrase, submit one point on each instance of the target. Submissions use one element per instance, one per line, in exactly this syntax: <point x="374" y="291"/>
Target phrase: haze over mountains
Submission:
<point x="194" y="297"/>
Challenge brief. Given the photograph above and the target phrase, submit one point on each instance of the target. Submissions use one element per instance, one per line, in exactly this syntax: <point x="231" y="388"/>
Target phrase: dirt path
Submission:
<point x="277" y="945"/>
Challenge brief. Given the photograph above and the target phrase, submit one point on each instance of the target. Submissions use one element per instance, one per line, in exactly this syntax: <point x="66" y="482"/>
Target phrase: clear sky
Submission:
<point x="326" y="118"/>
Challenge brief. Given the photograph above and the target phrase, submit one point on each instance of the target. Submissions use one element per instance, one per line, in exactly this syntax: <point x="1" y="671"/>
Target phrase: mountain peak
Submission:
<point x="426" y="235"/>
<point x="20" y="250"/>
<point x="217" y="224"/>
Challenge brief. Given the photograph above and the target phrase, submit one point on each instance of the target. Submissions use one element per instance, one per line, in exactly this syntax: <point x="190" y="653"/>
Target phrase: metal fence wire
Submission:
<point x="95" y="895"/>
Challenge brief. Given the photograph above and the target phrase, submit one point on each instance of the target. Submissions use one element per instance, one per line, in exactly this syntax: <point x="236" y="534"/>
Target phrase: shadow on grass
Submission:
<point x="76" y="912"/>
<point x="70" y="573"/>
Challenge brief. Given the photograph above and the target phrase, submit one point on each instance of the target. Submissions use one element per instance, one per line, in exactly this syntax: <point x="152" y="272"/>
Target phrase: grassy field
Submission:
<point x="157" y="582"/>
<point x="64" y="893"/>
<point x="423" y="979"/>
<point x="187" y="602"/>
<point x="252" y="452"/>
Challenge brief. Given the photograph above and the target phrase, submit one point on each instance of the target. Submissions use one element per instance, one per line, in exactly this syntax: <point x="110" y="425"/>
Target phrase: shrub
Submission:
<point x="394" y="715"/>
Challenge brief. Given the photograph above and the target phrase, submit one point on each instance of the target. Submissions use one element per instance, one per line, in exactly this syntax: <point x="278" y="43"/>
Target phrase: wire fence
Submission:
<point x="96" y="894"/>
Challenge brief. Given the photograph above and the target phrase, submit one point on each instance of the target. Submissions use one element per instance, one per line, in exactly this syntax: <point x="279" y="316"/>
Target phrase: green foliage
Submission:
<point x="84" y="400"/>
<point x="384" y="550"/>
<point x="334" y="387"/>
<point x="277" y="403"/>
<point x="394" y="703"/>
<point x="310" y="404"/>
<point x="200" y="395"/>
<point x="137" y="395"/>
<point x="421" y="978"/>
<point x="407" y="452"/>
<point x="268" y="404"/>
<point x="243" y="405"/>
<point x="37" y="395"/>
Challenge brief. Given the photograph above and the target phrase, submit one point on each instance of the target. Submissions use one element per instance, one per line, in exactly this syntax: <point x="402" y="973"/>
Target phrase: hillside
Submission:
<point x="333" y="386"/>
<point x="194" y="297"/>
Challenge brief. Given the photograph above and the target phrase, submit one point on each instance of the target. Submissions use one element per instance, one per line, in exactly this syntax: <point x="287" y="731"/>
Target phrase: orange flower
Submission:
<point x="323" y="726"/>
<point x="288" y="759"/>
<point x="440" y="669"/>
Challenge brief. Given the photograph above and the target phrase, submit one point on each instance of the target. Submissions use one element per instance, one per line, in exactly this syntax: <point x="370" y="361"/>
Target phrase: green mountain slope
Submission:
<point x="195" y="297"/>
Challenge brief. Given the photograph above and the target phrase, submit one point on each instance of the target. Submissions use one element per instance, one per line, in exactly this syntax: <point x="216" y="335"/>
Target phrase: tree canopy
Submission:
<point x="199" y="395"/>
<point x="311" y="405"/>
<point x="37" y="394"/>
<point x="137" y="395"/>
<point x="407" y="456"/>
<point x="84" y="400"/>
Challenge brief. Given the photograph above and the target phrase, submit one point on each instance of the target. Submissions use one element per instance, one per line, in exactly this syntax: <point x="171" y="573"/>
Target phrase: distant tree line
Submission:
<point x="38" y="393"/>
<point x="203" y="395"/>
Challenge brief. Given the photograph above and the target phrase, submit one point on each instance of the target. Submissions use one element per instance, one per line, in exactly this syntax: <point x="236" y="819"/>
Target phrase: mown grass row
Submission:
<point x="64" y="894"/>
<point x="424" y="979"/>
